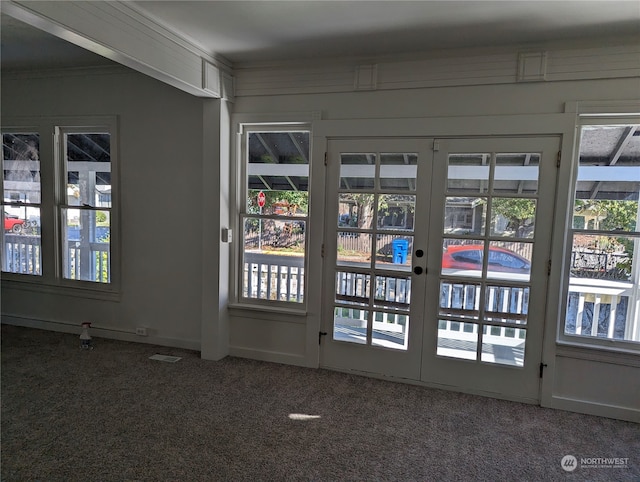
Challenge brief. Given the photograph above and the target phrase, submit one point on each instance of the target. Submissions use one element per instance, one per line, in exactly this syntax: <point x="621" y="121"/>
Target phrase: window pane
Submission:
<point x="392" y="292"/>
<point x="462" y="258"/>
<point x="465" y="215"/>
<point x="603" y="257"/>
<point x="396" y="211"/>
<point x="468" y="173"/>
<point x="274" y="259"/>
<point x="21" y="165"/>
<point x="509" y="261"/>
<point x="355" y="210"/>
<point x="390" y="330"/>
<point x="516" y="173"/>
<point x="398" y="171"/>
<point x="507" y="304"/>
<point x="394" y="252"/>
<point x="22" y="244"/>
<point x="461" y="300"/>
<point x="503" y="345"/>
<point x="278" y="166"/>
<point x="457" y="340"/>
<point x="22" y="195"/>
<point x="603" y="297"/>
<point x="88" y="163"/>
<point x="350" y="325"/>
<point x="354" y="249"/>
<point x="357" y="171"/>
<point x="353" y="288"/>
<point x="284" y="203"/>
<point x="86" y="245"/>
<point x="513" y="217"/>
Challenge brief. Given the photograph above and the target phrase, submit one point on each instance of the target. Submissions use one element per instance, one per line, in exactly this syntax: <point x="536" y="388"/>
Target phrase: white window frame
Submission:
<point x="241" y="155"/>
<point x="53" y="199"/>
<point x="591" y="117"/>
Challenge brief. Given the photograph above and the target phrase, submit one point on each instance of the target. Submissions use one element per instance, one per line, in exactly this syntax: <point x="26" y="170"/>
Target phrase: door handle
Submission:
<point x="418" y="270"/>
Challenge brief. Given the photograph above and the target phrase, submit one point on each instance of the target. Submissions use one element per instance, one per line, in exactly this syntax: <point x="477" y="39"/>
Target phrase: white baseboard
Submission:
<point x="100" y="332"/>
<point x="270" y="356"/>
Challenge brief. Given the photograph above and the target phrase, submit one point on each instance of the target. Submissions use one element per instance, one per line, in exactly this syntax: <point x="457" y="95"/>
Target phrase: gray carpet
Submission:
<point x="111" y="414"/>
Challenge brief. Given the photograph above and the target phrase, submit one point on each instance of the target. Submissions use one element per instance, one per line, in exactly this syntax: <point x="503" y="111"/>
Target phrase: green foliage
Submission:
<point x="101" y="217"/>
<point x="517" y="211"/>
<point x="298" y="198"/>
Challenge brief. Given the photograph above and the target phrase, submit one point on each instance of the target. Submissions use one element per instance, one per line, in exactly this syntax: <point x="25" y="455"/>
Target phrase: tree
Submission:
<point x="519" y="212"/>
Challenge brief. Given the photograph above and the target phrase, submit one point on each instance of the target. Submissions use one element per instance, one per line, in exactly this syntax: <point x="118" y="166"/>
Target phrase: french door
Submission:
<point x="380" y="189"/>
<point x="436" y="260"/>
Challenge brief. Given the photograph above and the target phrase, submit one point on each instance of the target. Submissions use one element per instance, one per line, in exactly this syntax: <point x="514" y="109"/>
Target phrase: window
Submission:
<point x="58" y="200"/>
<point x="21" y="203"/>
<point x="274" y="217"/>
<point x="603" y="298"/>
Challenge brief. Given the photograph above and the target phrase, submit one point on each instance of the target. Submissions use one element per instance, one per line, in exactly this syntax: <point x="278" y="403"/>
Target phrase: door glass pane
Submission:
<point x="465" y="215"/>
<point x="507" y="304"/>
<point x="457" y="339"/>
<point x="503" y="345"/>
<point x="516" y="173"/>
<point x="393" y="292"/>
<point x="468" y="173"/>
<point x="394" y="252"/>
<point x="355" y="210"/>
<point x="350" y="325"/>
<point x="390" y="330"/>
<point x="354" y="249"/>
<point x="398" y="171"/>
<point x="459" y="299"/>
<point x="357" y="171"/>
<point x="395" y="212"/>
<point x="353" y="288"/>
<point x="462" y="258"/>
<point x="513" y="217"/>
<point x="509" y="261"/>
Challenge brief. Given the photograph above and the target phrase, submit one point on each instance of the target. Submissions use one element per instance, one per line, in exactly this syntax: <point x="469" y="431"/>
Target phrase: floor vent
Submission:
<point x="165" y="358"/>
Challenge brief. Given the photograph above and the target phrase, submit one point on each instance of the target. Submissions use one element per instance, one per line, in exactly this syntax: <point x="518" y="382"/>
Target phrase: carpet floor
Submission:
<point x="112" y="414"/>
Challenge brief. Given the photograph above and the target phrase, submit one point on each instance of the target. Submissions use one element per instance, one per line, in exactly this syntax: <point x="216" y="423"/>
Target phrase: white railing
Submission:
<point x="22" y="254"/>
<point x="601" y="308"/>
<point x="273" y="277"/>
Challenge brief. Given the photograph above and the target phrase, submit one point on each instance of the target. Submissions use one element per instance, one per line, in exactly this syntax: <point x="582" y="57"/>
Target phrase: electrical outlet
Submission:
<point x="141" y="331"/>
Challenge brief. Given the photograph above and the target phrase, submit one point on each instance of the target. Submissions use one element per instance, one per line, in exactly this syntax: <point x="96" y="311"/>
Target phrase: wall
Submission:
<point x="249" y="330"/>
<point x="161" y="164"/>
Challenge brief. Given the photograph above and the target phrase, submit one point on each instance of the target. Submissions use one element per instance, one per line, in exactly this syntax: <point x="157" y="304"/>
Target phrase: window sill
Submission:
<point x="279" y="313"/>
<point x="61" y="290"/>
<point x="610" y="353"/>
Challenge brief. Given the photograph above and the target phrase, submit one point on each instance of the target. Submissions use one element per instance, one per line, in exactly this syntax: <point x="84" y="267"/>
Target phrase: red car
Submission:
<point x="13" y="223"/>
<point x="469" y="257"/>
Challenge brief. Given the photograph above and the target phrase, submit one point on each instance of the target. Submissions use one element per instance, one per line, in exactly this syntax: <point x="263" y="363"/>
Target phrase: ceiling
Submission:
<point x="246" y="32"/>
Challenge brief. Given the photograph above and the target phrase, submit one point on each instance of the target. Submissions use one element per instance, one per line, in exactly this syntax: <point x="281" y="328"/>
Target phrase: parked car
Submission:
<point x="13" y="223"/>
<point x="469" y="257"/>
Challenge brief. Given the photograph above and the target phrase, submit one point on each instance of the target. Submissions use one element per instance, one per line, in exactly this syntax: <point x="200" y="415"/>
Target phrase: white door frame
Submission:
<point x="450" y="127"/>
